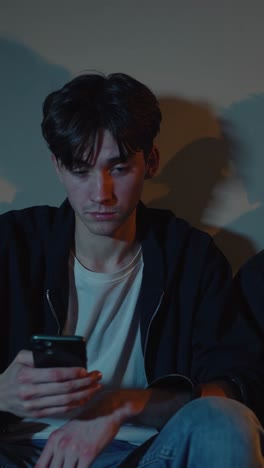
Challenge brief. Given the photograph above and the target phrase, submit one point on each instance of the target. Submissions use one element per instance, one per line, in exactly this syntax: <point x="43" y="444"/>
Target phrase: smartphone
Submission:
<point x="58" y="350"/>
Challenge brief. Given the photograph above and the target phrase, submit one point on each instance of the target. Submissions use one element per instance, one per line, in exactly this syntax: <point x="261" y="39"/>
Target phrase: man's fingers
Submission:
<point x="25" y="357"/>
<point x="50" y="405"/>
<point x="58" y="374"/>
<point x="29" y="391"/>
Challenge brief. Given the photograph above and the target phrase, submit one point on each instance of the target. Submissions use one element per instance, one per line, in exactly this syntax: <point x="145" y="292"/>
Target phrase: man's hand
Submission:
<point x="27" y="391"/>
<point x="78" y="442"/>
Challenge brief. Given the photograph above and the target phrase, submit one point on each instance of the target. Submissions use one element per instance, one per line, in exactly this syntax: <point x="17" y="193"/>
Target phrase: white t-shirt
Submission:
<point x="106" y="305"/>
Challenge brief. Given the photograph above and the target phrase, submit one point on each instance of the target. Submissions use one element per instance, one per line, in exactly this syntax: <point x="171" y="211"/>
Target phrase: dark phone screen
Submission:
<point x="58" y="351"/>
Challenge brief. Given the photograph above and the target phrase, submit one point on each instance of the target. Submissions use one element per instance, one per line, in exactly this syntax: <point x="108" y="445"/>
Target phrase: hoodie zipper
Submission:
<point x="145" y="348"/>
<point x="53" y="311"/>
<point x="150" y="323"/>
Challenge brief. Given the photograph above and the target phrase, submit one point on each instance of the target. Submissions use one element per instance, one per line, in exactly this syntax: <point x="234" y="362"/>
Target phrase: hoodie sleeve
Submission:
<point x="228" y="340"/>
<point x="247" y="330"/>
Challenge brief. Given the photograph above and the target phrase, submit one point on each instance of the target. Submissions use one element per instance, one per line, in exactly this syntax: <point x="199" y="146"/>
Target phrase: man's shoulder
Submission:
<point x="254" y="263"/>
<point x="161" y="217"/>
<point x="27" y="216"/>
<point x="35" y="219"/>
<point x="193" y="250"/>
<point x="166" y="220"/>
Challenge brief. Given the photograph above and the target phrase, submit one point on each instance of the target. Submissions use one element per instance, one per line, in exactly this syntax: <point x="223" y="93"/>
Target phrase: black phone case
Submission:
<point x="62" y="352"/>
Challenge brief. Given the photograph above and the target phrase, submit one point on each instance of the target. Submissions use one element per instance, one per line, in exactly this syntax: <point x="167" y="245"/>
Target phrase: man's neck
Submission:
<point x="103" y="253"/>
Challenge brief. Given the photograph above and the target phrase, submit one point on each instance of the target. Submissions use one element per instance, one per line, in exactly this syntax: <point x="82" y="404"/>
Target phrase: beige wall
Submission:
<point x="204" y="61"/>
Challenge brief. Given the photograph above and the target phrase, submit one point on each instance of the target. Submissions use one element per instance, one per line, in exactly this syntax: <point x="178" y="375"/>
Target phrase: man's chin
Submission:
<point x="103" y="229"/>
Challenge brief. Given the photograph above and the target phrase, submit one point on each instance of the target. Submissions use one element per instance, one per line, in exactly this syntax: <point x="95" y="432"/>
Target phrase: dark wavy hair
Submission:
<point x="73" y="115"/>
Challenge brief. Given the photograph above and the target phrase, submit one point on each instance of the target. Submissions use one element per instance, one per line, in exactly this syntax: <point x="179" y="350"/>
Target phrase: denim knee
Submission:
<point x="221" y="427"/>
<point x="209" y="432"/>
<point x="218" y="414"/>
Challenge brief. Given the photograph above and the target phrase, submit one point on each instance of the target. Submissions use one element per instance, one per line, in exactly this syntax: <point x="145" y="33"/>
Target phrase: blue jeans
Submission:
<point x="206" y="433"/>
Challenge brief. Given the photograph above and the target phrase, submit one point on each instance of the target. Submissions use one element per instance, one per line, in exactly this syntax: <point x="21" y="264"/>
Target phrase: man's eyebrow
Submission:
<point x="110" y="161"/>
<point x="117" y="159"/>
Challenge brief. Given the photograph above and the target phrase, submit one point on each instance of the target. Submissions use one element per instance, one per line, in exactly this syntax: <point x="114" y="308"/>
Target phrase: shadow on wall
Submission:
<point x="243" y="124"/>
<point x="198" y="158"/>
<point x="26" y="173"/>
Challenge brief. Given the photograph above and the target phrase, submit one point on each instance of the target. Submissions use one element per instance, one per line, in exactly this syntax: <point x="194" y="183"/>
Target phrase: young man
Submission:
<point x="147" y="292"/>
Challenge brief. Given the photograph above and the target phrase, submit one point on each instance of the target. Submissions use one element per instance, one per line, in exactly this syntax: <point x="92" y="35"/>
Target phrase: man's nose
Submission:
<point x="102" y="187"/>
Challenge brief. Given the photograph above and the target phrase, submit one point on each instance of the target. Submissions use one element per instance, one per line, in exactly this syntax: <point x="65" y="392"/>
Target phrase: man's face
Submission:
<point x="105" y="193"/>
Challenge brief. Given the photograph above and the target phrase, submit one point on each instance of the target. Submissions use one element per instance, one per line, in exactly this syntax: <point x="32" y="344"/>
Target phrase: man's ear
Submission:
<point x="152" y="163"/>
<point x="57" y="166"/>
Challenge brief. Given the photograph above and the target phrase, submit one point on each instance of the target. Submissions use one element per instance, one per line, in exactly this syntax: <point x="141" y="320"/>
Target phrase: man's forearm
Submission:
<point x="151" y="407"/>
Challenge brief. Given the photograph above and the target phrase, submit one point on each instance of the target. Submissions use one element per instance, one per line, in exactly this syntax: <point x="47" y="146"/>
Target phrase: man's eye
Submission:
<point x="80" y="173"/>
<point x="120" y="169"/>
